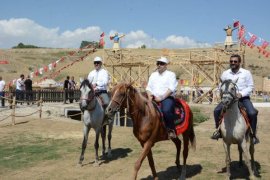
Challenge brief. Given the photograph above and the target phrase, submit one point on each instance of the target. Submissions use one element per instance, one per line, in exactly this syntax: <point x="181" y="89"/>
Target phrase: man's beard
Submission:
<point x="234" y="66"/>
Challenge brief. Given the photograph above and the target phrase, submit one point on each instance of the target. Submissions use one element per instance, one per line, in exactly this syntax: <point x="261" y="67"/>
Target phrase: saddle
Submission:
<point x="182" y="112"/>
<point x="243" y="111"/>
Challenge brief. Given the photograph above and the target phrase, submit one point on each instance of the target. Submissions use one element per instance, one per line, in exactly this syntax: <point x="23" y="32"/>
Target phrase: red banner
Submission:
<point x="4" y="62"/>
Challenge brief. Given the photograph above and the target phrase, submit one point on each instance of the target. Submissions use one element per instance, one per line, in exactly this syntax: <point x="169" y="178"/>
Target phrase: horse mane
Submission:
<point x="87" y="83"/>
<point x="143" y="102"/>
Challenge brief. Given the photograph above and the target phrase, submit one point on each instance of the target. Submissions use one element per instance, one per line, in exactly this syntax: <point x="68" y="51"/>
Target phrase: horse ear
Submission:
<point x="130" y="84"/>
<point x="220" y="80"/>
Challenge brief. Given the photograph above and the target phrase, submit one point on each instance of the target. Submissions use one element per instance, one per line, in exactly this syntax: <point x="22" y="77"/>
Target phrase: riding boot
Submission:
<point x="216" y="135"/>
<point x="254" y="137"/>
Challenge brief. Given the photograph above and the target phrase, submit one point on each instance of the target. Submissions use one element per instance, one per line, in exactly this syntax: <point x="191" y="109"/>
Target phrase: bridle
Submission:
<point x="90" y="98"/>
<point x="119" y="103"/>
<point x="226" y="91"/>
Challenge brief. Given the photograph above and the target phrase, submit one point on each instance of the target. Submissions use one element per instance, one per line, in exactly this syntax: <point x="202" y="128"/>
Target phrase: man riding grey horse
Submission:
<point x="100" y="78"/>
<point x="245" y="86"/>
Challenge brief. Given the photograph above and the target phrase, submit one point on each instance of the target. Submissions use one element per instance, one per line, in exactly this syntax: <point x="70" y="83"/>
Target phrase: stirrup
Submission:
<point x="216" y="135"/>
<point x="255" y="140"/>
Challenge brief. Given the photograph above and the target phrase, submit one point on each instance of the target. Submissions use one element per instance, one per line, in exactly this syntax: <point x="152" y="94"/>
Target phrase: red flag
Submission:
<point x="36" y="72"/>
<point x="45" y="68"/>
<point x="263" y="47"/>
<point x="241" y="32"/>
<point x="102" y="35"/>
<point x="4" y="62"/>
<point x="101" y="42"/>
<point x="236" y="24"/>
<point x="251" y="41"/>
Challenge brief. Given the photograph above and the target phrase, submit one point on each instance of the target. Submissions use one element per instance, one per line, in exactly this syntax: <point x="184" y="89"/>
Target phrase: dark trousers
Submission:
<point x="2" y="94"/>
<point x="29" y="95"/>
<point x="167" y="108"/>
<point x="251" y="112"/>
<point x="19" y="95"/>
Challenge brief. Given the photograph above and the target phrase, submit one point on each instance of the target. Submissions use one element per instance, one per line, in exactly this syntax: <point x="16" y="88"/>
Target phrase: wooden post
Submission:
<point x="40" y="108"/>
<point x="13" y="110"/>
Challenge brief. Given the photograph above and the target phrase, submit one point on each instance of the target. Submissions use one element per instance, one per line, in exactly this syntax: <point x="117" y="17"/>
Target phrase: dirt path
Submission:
<point x="207" y="162"/>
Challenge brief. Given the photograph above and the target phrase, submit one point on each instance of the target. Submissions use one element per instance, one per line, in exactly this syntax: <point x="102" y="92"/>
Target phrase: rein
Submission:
<point x="122" y="100"/>
<point x="235" y="98"/>
<point x="89" y="99"/>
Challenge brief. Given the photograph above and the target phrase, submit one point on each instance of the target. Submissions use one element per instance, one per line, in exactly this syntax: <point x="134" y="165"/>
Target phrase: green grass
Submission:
<point x="198" y="116"/>
<point x="24" y="151"/>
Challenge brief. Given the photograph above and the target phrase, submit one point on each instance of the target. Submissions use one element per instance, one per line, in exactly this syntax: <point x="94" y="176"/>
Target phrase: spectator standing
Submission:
<point x="72" y="86"/>
<point x="28" y="89"/>
<point x="20" y="88"/>
<point x="2" y="92"/>
<point x="66" y="88"/>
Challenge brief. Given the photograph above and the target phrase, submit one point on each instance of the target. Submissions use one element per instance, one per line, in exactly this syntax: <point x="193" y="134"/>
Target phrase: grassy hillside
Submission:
<point x="27" y="60"/>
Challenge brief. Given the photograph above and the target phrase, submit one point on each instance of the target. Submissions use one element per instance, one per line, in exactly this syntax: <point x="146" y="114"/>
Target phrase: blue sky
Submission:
<point x="156" y="23"/>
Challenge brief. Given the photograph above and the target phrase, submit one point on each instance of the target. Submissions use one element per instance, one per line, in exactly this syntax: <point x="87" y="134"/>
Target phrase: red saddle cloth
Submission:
<point x="182" y="110"/>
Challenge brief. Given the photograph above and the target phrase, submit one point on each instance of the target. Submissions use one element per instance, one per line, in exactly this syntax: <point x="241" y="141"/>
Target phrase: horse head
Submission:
<point x="228" y="92"/>
<point x="87" y="94"/>
<point x="119" y="98"/>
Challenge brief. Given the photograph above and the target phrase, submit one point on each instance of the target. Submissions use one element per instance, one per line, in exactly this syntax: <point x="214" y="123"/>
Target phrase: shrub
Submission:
<point x="198" y="116"/>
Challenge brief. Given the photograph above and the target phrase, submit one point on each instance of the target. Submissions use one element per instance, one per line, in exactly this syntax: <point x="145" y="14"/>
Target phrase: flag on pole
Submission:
<point x="236" y="24"/>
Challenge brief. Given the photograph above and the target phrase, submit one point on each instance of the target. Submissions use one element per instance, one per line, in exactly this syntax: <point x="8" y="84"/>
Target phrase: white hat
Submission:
<point x="163" y="59"/>
<point x="97" y="59"/>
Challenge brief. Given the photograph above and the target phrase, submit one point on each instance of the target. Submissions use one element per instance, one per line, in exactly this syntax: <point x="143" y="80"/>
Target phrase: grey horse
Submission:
<point x="234" y="129"/>
<point x="93" y="116"/>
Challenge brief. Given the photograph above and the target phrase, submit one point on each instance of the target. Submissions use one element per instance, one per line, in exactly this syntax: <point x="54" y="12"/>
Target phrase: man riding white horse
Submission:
<point x="100" y="78"/>
<point x="244" y="82"/>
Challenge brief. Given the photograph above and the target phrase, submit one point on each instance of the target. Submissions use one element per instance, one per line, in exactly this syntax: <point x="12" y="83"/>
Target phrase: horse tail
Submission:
<point x="192" y="136"/>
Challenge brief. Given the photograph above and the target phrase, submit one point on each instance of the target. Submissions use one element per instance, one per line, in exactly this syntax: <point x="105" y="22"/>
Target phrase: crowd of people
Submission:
<point x="69" y="87"/>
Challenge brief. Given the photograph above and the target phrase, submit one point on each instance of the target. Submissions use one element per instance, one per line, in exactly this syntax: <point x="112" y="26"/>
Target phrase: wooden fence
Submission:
<point x="47" y="95"/>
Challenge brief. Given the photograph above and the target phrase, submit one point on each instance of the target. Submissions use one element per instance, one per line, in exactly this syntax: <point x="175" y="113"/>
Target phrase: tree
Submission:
<point x="143" y="46"/>
<point x="92" y="43"/>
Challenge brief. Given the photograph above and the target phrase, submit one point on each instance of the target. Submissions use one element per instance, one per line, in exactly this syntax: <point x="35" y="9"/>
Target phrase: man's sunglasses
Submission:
<point x="161" y="63"/>
<point x="233" y="61"/>
<point x="97" y="62"/>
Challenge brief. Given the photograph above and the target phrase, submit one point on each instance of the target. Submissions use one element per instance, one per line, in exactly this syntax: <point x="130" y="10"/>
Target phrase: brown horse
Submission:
<point x="147" y="126"/>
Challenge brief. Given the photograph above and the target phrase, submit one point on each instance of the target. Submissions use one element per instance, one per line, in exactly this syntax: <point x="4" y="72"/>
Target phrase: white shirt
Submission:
<point x="244" y="83"/>
<point x="2" y="85"/>
<point x="100" y="77"/>
<point x="20" y="84"/>
<point x="158" y="84"/>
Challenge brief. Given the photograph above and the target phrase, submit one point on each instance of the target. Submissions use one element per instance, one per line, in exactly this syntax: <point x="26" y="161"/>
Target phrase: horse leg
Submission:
<point x="247" y="157"/>
<point x="177" y="143"/>
<point x="228" y="158"/>
<point x="103" y="137"/>
<point x="240" y="155"/>
<point x="146" y="148"/>
<point x="97" y="146"/>
<point x="109" y="140"/>
<point x="185" y="155"/>
<point x="86" y="130"/>
<point x="152" y="164"/>
<point x="251" y="151"/>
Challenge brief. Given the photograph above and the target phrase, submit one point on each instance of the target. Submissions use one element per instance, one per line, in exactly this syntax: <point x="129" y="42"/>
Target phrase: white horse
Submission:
<point x="234" y="129"/>
<point x="93" y="117"/>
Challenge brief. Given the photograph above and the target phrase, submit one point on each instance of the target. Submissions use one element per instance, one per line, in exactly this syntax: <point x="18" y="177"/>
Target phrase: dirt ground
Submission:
<point x="207" y="162"/>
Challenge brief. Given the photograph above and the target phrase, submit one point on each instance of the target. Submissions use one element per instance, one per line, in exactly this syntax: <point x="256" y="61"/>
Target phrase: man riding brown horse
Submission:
<point x="161" y="88"/>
